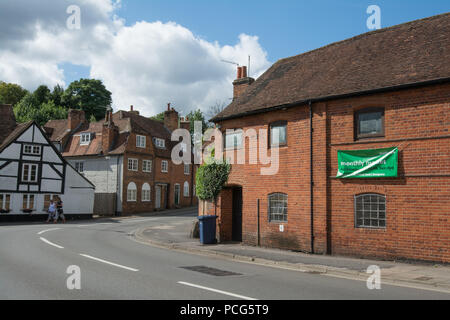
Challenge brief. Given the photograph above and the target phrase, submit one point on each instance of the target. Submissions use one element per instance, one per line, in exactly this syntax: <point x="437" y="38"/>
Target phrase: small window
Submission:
<point x="79" y="166"/>
<point x="369" y="123"/>
<point x="159" y="143"/>
<point x="29" y="172"/>
<point x="5" y="200"/>
<point x="370" y="211"/>
<point x="278" y="207"/>
<point x="233" y="139"/>
<point x="147" y="165"/>
<point x="278" y="134"/>
<point x="32" y="149"/>
<point x="131" y="192"/>
<point x="164" y="166"/>
<point x="140" y="141"/>
<point x="28" y="202"/>
<point x="186" y="189"/>
<point x="186" y="168"/>
<point x="133" y="164"/>
<point x="146" y="191"/>
<point x="85" y="138"/>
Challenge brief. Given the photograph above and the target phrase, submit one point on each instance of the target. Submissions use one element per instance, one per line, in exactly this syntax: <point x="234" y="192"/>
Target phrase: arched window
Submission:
<point x="278" y="207"/>
<point x="131" y="192"/>
<point x="370" y="210"/>
<point x="146" y="192"/>
<point x="186" y="189"/>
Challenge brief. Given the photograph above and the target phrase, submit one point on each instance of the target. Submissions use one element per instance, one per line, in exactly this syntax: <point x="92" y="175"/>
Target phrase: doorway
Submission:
<point x="158" y="197"/>
<point x="237" y="214"/>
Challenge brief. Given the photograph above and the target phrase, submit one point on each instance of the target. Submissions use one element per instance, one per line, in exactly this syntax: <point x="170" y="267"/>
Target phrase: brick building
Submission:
<point x="128" y="158"/>
<point x="386" y="88"/>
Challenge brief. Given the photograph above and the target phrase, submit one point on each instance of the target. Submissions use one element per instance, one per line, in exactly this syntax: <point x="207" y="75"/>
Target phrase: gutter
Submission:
<point x="311" y="184"/>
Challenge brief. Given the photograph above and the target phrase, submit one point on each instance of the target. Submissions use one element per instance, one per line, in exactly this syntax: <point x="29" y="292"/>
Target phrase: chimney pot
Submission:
<point x="239" y="72"/>
<point x="244" y="71"/>
<point x="131" y="108"/>
<point x="168" y="106"/>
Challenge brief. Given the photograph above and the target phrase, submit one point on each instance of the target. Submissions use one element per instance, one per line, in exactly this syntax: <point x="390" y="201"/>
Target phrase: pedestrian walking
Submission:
<point x="59" y="210"/>
<point x="51" y="211"/>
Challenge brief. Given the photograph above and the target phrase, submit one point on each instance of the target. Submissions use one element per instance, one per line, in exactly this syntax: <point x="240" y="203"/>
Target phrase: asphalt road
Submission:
<point x="34" y="260"/>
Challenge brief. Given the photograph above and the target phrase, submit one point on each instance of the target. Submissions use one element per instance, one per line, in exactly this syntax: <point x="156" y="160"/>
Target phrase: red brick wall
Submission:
<point x="418" y="225"/>
<point x="174" y="175"/>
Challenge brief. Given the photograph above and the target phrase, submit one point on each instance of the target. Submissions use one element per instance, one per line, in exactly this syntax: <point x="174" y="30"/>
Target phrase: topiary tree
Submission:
<point x="210" y="178"/>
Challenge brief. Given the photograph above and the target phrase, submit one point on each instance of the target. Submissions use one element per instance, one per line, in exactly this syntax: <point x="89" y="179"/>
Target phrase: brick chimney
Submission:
<point x="185" y="123"/>
<point x="7" y="121"/>
<point x="242" y="82"/>
<point x="109" y="132"/>
<point x="133" y="111"/>
<point x="171" y="118"/>
<point x="75" y="118"/>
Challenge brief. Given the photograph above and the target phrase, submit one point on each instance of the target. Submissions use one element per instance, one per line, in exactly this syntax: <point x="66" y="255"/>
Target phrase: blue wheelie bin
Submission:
<point x="207" y="228"/>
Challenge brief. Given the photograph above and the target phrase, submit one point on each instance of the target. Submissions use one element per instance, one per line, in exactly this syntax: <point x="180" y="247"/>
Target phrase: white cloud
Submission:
<point x="146" y="64"/>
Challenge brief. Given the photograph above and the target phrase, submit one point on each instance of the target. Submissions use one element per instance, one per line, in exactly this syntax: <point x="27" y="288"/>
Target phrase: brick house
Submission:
<point x="386" y="88"/>
<point x="128" y="158"/>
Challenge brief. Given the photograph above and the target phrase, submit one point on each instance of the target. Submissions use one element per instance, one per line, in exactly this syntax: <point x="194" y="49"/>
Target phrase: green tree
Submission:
<point x="210" y="178"/>
<point x="11" y="93"/>
<point x="159" y="117"/>
<point x="42" y="94"/>
<point x="26" y="109"/>
<point x="92" y="119"/>
<point x="56" y="95"/>
<point x="89" y="95"/>
<point x="197" y="115"/>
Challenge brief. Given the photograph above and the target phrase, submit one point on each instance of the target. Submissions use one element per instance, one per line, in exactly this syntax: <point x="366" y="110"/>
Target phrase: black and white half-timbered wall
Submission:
<point x="32" y="172"/>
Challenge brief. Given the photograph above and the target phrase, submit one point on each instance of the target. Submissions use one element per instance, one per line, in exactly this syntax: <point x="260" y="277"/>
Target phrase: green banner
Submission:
<point x="374" y="163"/>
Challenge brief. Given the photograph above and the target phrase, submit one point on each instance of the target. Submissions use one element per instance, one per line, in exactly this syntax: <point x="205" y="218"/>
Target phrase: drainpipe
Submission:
<point x="311" y="185"/>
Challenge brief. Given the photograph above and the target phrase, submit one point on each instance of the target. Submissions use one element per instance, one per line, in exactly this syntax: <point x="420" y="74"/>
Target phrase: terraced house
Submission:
<point x="128" y="158"/>
<point x="382" y="94"/>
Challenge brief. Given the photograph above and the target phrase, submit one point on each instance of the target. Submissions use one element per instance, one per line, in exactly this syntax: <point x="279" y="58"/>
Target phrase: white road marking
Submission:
<point x="43" y="231"/>
<point x="215" y="290"/>
<point x="107" y="262"/>
<point x="50" y="243"/>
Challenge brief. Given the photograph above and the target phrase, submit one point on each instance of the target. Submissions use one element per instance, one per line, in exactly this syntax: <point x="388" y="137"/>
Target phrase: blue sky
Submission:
<point x="151" y="52"/>
<point x="284" y="27"/>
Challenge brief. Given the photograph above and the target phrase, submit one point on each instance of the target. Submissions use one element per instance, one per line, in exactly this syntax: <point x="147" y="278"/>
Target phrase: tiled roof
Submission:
<point x="410" y="53"/>
<point x="14" y="134"/>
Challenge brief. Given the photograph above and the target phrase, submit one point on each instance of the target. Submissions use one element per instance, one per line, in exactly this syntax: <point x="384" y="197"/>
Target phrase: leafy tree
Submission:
<point x="11" y="93"/>
<point x="159" y="117"/>
<point x="210" y="178"/>
<point x="42" y="94"/>
<point x="92" y="119"/>
<point x="89" y="95"/>
<point x="26" y="109"/>
<point x="215" y="109"/>
<point x="56" y="95"/>
<point x="197" y="115"/>
<point x="29" y="109"/>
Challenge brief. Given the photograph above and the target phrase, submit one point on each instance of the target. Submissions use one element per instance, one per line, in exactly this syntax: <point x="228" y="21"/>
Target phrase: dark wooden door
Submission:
<point x="237" y="215"/>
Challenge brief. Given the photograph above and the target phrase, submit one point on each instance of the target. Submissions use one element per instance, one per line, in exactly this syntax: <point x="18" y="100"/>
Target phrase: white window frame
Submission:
<point x="32" y="151"/>
<point x="28" y="195"/>
<point x="3" y="201"/>
<point x="28" y="178"/>
<point x="131" y="193"/>
<point x="79" y="166"/>
<point x="133" y="161"/>
<point x="186" y="189"/>
<point x="188" y="171"/>
<point x="146" y="193"/>
<point x="147" y="165"/>
<point x="160" y="143"/>
<point x="237" y="135"/>
<point x="140" y="141"/>
<point x="85" y="138"/>
<point x="166" y="166"/>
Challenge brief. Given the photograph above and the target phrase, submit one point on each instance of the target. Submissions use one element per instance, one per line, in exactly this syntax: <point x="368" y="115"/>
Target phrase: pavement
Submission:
<point x="175" y="235"/>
